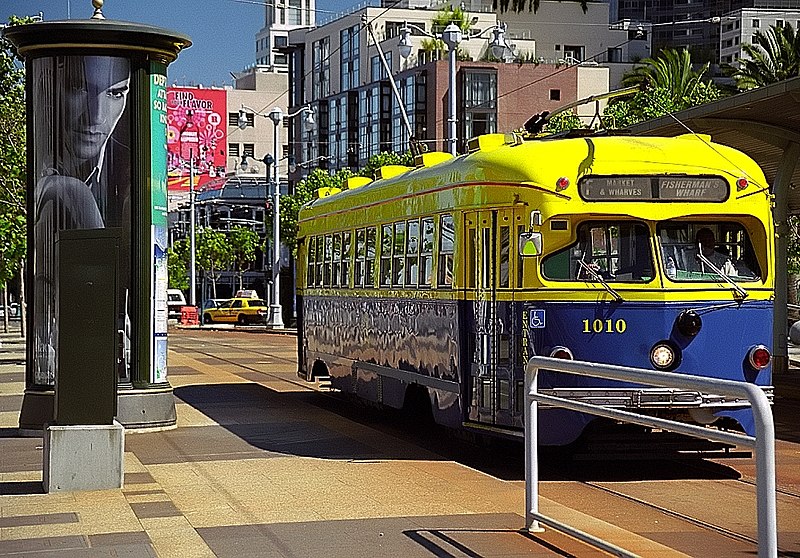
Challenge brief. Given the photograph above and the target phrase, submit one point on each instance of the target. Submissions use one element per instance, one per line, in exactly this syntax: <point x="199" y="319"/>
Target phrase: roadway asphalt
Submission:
<point x="256" y="467"/>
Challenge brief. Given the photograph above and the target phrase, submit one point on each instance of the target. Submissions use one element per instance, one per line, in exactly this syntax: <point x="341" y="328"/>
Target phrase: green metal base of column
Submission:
<point x="140" y="409"/>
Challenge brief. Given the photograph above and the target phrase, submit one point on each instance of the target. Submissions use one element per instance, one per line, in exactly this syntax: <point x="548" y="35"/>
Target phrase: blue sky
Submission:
<point x="222" y="31"/>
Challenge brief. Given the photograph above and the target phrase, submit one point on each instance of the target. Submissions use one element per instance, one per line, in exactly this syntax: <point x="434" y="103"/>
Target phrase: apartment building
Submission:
<point x="740" y="26"/>
<point x="336" y="68"/>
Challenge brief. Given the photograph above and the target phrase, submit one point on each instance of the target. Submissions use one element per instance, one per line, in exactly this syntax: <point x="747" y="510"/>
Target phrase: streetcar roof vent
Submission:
<point x="357" y="182"/>
<point x="490" y="142"/>
<point x="325" y="192"/>
<point x="388" y="171"/>
<point x="431" y="158"/>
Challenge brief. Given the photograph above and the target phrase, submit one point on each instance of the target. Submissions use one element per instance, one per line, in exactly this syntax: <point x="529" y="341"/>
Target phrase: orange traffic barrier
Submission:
<point x="189" y="315"/>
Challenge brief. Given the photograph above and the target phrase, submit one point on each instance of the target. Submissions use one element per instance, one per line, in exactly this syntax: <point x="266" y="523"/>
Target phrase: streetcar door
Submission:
<point x="487" y="280"/>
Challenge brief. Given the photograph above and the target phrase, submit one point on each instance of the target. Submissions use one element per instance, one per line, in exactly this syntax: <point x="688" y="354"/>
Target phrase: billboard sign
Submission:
<point x="196" y="131"/>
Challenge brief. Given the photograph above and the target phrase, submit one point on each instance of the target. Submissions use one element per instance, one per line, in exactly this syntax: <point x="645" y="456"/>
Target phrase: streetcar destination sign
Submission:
<point x="665" y="188"/>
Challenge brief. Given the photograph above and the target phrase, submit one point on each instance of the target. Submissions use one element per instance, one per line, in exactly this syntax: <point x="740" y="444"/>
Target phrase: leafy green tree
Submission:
<point x="563" y="121"/>
<point x="243" y="242"/>
<point x="442" y="19"/>
<point x="773" y="56"/>
<point x="178" y="264"/>
<point x="214" y="254"/>
<point x="304" y="192"/>
<point x="12" y="159"/>
<point x="385" y="158"/>
<point x="668" y="84"/>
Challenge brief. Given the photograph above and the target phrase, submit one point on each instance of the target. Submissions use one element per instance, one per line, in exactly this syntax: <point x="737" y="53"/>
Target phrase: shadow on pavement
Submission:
<point x="329" y="426"/>
<point x="21" y="488"/>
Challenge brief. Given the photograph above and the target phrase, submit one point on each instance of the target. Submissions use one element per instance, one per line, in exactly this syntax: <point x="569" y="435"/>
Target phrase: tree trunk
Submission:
<point x="23" y="315"/>
<point x="5" y="308"/>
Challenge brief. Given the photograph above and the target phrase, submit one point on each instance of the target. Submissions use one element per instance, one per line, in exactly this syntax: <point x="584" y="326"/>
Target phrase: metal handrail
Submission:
<point x="763" y="442"/>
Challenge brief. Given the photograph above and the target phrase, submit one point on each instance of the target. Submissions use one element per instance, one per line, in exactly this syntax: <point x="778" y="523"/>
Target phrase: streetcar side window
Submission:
<point x="447" y="235"/>
<point x="412" y="253"/>
<point x="311" y="255"/>
<point x="319" y="260"/>
<point x="347" y="252"/>
<point x="386" y="256"/>
<point x="505" y="240"/>
<point x="617" y="251"/>
<point x="369" y="280"/>
<point x="326" y="278"/>
<point x="399" y="253"/>
<point x="426" y="253"/>
<point x="336" y="260"/>
<point x="361" y="256"/>
<point x="691" y="249"/>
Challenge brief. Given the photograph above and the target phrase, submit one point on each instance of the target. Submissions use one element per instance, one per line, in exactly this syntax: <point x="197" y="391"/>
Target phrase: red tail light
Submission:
<point x="562" y="353"/>
<point x="759" y="357"/>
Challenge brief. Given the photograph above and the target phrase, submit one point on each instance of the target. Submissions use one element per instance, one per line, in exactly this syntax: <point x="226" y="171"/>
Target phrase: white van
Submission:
<point x="175" y="300"/>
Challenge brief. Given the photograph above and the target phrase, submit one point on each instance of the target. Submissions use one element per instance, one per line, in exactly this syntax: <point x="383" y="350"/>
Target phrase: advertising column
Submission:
<point x="97" y="129"/>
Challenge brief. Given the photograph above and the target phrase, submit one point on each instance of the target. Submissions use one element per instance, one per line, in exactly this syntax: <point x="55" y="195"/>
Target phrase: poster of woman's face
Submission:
<point x="81" y="138"/>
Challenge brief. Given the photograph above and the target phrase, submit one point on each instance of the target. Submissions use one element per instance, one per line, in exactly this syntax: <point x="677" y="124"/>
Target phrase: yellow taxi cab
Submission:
<point x="237" y="310"/>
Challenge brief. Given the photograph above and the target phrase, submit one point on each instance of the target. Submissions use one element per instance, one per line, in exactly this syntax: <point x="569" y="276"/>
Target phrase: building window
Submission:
<point x="756" y="23"/>
<point x="555" y="94"/>
<point x="779" y="23"/>
<point x="574" y="54"/>
<point x="233" y="150"/>
<point x="350" y="58"/>
<point x="480" y="103"/>
<point x="281" y="41"/>
<point x="294" y="15"/>
<point x="321" y="70"/>
<point x="377" y="71"/>
<point x="233" y="119"/>
<point x="249" y="150"/>
<point x="615" y="54"/>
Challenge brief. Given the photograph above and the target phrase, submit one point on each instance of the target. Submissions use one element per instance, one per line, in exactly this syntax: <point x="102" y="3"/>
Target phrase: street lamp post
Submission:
<point x="275" y="318"/>
<point x="452" y="37"/>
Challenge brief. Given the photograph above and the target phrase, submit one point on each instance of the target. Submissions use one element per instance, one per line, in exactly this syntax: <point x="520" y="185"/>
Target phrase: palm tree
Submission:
<point x="773" y="56"/>
<point x="671" y="71"/>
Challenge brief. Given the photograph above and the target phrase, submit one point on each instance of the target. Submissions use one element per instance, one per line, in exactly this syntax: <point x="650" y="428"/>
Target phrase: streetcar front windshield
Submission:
<point x="617" y="251"/>
<point x="691" y="250"/>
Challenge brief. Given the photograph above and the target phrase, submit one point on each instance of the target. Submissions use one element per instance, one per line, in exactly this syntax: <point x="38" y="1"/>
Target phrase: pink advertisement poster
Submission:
<point x="196" y="130"/>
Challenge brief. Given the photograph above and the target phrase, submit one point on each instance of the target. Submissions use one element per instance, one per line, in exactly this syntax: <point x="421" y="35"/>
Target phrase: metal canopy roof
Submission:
<point x="762" y="123"/>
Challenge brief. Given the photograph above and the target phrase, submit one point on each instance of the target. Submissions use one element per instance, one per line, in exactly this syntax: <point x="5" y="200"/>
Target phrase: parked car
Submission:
<point x="13" y="310"/>
<point x="238" y="310"/>
<point x="175" y="300"/>
<point x="213" y="303"/>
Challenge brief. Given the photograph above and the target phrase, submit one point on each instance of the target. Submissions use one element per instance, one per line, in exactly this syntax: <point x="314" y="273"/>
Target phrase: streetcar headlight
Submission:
<point x="689" y="323"/>
<point x="561" y="352"/>
<point x="664" y="356"/>
<point x="759" y="357"/>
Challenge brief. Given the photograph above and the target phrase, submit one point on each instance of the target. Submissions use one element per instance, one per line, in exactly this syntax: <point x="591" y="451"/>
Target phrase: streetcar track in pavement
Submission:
<point x="676" y="514"/>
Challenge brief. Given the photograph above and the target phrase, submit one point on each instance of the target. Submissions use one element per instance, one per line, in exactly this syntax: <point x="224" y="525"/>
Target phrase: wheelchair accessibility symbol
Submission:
<point x="537" y="319"/>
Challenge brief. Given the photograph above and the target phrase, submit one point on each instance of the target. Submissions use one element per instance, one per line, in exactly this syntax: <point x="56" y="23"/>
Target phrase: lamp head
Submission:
<point x="243" y="163"/>
<point x="452" y="36"/>
<point x="276" y="115"/>
<point x="308" y="120"/>
<point x="405" y="46"/>
<point x="292" y="163"/>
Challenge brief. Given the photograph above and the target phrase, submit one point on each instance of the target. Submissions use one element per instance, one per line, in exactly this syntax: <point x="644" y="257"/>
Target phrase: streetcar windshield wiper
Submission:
<point x="596" y="277"/>
<point x="743" y="293"/>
